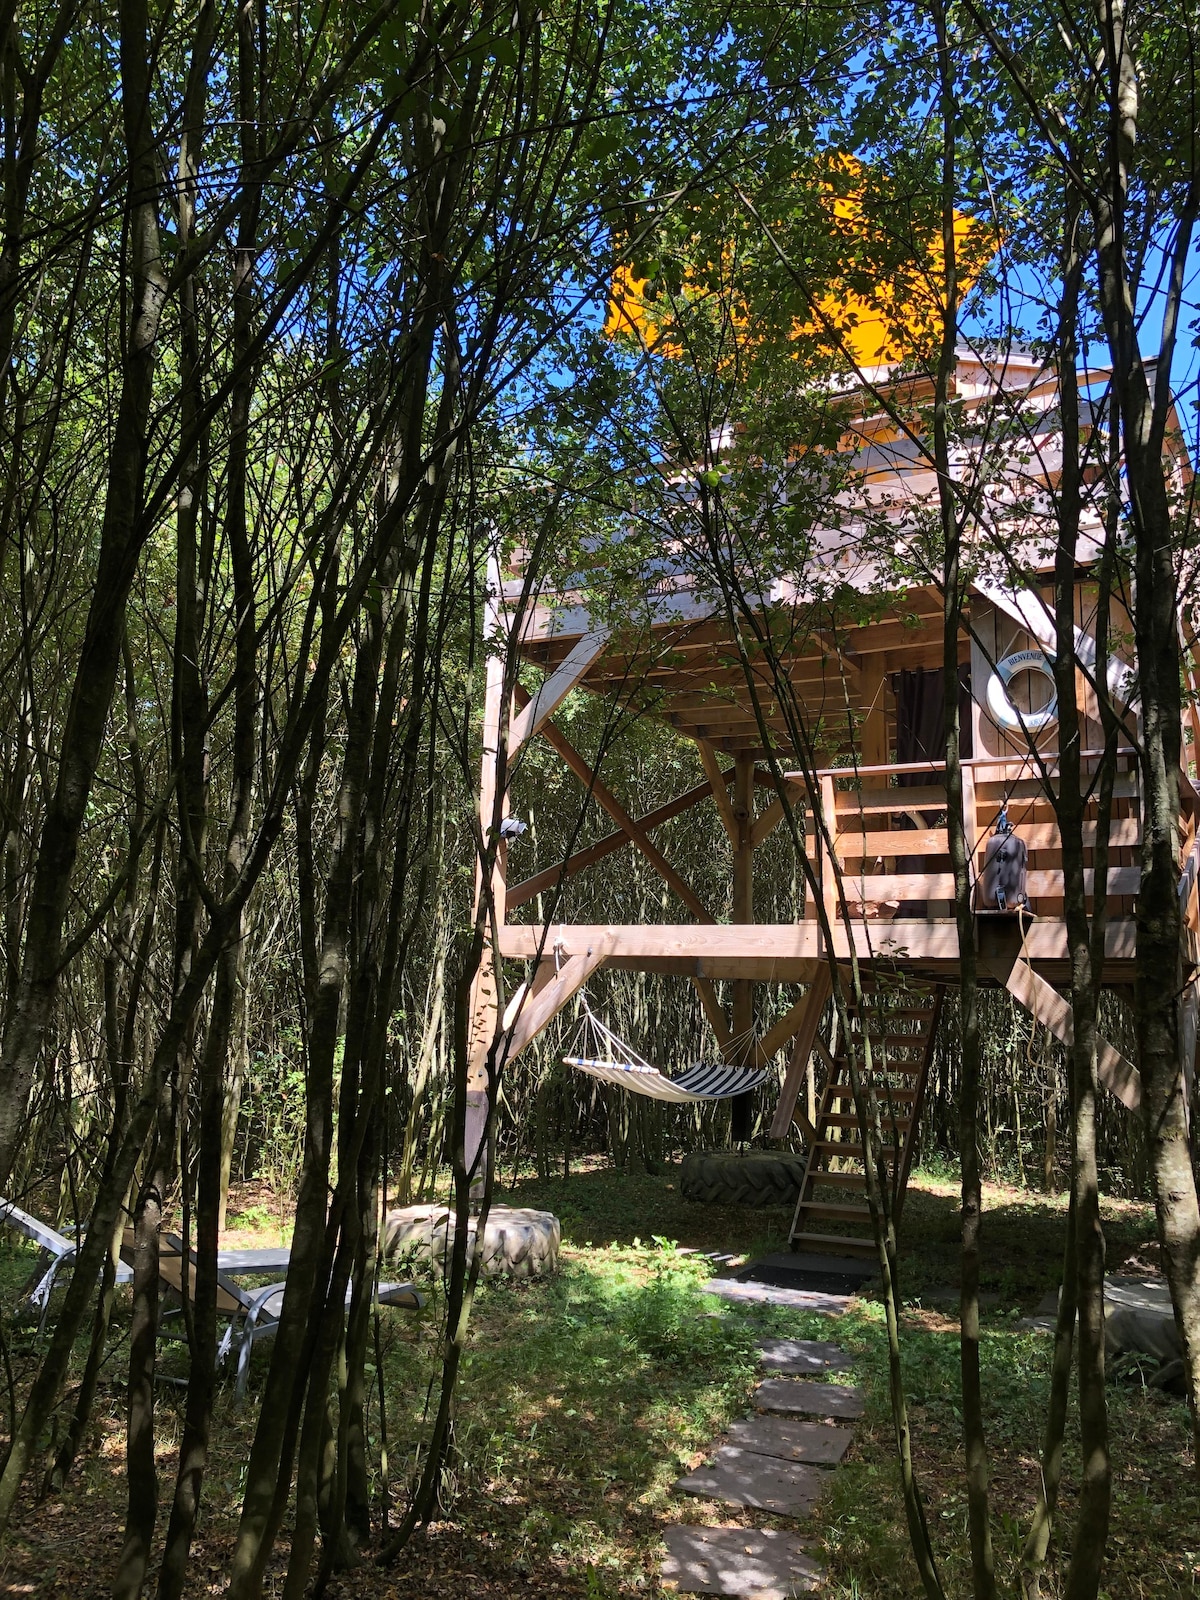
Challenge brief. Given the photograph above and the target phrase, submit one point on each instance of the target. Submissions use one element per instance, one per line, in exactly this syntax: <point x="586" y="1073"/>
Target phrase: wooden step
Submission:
<point x="848" y="1119"/>
<point x="835" y="1244"/>
<point x="849" y="1147"/>
<point x="889" y="1012"/>
<point x="823" y="1208"/>
<point x="883" y="1091"/>
<point x="843" y="1180"/>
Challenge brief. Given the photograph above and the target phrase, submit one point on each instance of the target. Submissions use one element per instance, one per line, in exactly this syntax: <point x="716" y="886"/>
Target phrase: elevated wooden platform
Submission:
<point x="795" y="952"/>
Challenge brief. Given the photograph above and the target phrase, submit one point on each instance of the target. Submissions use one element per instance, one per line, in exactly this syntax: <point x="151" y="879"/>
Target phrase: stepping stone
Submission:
<point x="817" y="1443"/>
<point x="744" y="1478"/>
<point x="740" y="1562"/>
<point x="809" y="1273"/>
<point x="808" y="1399"/>
<point x="763" y="1294"/>
<point x="794" y="1358"/>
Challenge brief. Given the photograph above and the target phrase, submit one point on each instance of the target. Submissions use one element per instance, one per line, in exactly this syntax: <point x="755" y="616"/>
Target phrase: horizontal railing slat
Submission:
<point x="881" y="888"/>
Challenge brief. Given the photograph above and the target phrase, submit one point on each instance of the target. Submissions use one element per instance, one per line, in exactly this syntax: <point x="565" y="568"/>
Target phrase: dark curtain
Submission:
<point x="920" y="710"/>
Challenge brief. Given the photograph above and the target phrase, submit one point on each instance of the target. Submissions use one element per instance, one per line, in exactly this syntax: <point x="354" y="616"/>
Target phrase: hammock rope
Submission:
<point x="603" y="1054"/>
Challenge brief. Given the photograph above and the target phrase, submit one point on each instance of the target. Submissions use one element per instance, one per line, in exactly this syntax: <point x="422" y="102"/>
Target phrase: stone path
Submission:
<point x="773" y="1461"/>
<point x="738" y="1561"/>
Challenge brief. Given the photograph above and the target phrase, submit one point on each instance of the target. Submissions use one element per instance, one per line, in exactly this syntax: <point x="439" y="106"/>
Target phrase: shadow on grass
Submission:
<point x="1022" y="1230"/>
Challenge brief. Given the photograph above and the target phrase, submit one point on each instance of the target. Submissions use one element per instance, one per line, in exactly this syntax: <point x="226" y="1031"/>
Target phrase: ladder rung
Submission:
<point x="836" y="1244"/>
<point x="883" y="1092"/>
<point x="847" y="1119"/>
<point x="847" y="1180"/>
<point x="911" y="1013"/>
<point x="884" y="1028"/>
<point x="820" y="1208"/>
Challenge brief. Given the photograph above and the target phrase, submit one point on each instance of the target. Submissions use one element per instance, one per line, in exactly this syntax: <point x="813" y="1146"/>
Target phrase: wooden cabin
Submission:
<point x="882" y="796"/>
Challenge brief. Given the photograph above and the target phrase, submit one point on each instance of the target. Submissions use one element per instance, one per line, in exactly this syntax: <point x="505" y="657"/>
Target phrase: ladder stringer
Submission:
<point x="902" y="1026"/>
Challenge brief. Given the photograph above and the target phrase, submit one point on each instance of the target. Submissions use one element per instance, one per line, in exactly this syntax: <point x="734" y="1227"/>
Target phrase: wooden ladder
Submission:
<point x="901" y="1024"/>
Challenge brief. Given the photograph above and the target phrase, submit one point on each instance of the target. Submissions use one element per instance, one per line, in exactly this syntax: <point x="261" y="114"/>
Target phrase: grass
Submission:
<point x="584" y="1397"/>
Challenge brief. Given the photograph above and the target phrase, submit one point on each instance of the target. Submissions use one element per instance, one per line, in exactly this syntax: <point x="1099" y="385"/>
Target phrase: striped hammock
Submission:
<point x="613" y="1061"/>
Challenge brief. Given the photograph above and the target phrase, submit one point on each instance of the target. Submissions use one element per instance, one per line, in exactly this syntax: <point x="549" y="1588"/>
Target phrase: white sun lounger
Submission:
<point x="254" y="1313"/>
<point x="52" y="1244"/>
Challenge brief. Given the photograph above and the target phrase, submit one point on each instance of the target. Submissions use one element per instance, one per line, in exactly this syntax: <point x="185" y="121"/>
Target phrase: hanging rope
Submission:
<point x="601" y="1053"/>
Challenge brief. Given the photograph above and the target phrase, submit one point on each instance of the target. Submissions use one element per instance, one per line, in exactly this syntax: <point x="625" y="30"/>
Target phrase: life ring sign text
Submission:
<point x="1000" y="707"/>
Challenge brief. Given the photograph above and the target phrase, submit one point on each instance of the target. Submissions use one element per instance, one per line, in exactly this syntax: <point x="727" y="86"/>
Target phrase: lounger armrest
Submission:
<point x="406" y="1295"/>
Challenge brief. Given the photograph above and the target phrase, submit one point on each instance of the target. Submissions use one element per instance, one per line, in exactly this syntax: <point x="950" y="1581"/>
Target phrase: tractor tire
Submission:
<point x="517" y="1242"/>
<point x="724" y="1178"/>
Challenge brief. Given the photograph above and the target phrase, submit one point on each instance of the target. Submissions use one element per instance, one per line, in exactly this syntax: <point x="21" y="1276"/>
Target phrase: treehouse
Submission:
<point x="854" y="654"/>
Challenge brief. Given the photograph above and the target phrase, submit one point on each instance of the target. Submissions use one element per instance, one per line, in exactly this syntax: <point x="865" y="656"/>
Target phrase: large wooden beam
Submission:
<point x="1047" y="1006"/>
<point x="605" y="798"/>
<point x="519" y="893"/>
<point x="779" y="1033"/>
<point x="556" y="689"/>
<point x="802" y="1047"/>
<point x="790" y="951"/>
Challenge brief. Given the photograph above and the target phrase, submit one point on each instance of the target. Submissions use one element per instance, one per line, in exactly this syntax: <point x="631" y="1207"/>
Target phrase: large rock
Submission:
<point x="517" y="1242"/>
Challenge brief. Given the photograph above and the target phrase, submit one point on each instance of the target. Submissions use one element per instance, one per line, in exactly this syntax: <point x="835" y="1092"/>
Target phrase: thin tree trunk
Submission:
<point x="121" y="536"/>
<point x="960" y="829"/>
<point x="1158" y="961"/>
<point x="140" y="1470"/>
<point x="1086" y="949"/>
<point x="1037" y="1545"/>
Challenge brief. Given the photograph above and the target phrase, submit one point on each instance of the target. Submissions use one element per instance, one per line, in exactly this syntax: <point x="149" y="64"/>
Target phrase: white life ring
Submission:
<point x="1001" y="709"/>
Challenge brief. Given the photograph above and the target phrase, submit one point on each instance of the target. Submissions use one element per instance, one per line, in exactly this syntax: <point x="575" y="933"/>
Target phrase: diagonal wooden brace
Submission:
<point x="605" y="798"/>
<point x="1044" y="1003"/>
<point x="805" y="1042"/>
<point x="556" y="689"/>
<point x="540" y="1009"/>
<point x="550" y="877"/>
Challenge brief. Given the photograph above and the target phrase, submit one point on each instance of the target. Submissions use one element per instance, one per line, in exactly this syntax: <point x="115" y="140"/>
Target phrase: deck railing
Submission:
<point x="887" y="828"/>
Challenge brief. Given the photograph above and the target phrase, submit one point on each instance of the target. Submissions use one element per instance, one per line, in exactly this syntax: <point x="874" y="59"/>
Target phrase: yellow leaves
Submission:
<point x="892" y="318"/>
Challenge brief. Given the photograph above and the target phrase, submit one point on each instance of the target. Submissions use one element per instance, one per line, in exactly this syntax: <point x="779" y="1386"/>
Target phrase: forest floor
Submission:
<point x="585" y="1396"/>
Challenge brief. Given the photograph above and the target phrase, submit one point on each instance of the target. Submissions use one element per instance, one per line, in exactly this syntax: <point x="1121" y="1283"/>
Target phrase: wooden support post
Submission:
<point x="556" y="689"/>
<point x="744" y="1050"/>
<point x="712" y="1010"/>
<point x="550" y="877"/>
<point x="1045" y="1005"/>
<point x="541" y="1008"/>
